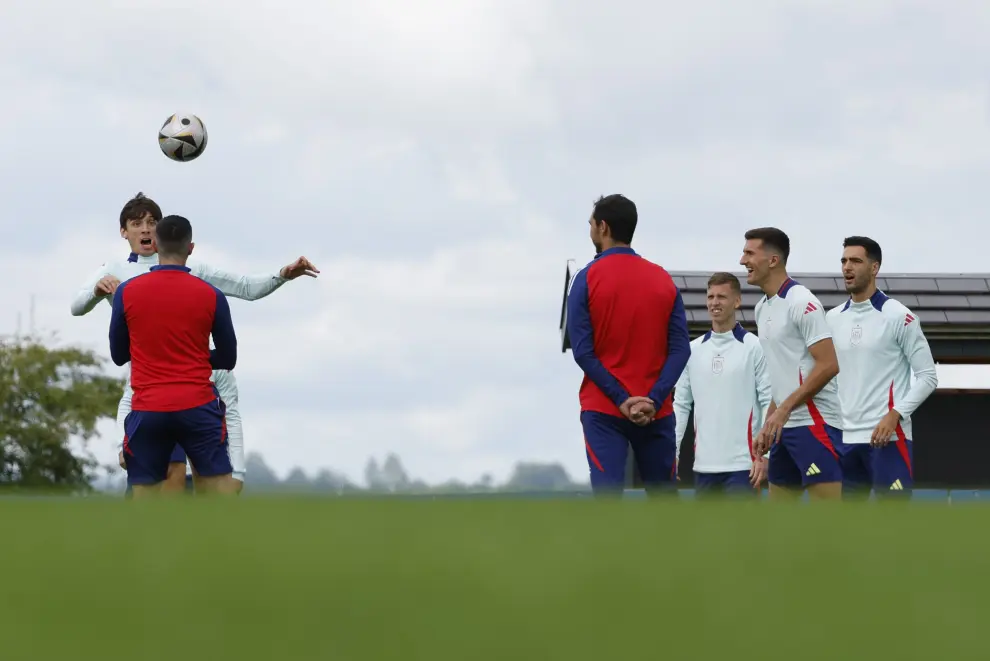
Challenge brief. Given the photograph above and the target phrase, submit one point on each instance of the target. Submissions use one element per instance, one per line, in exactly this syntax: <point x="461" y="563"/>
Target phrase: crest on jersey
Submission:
<point x="856" y="336"/>
<point x="718" y="364"/>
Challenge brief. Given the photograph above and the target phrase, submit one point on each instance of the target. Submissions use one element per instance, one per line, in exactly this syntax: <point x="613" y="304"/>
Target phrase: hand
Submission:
<point x="758" y="473"/>
<point x="301" y="266"/>
<point x="120" y="460"/>
<point x="639" y="410"/>
<point x="772" y="430"/>
<point x="886" y="429"/>
<point x="106" y="286"/>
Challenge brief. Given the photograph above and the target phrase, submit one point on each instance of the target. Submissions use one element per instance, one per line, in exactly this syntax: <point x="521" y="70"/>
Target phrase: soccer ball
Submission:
<point x="182" y="137"/>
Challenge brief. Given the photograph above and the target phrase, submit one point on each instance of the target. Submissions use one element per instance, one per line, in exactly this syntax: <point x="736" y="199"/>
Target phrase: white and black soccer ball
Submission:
<point x="182" y="137"/>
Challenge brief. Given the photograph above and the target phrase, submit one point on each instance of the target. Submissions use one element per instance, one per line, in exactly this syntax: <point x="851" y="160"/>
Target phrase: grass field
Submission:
<point x="340" y="580"/>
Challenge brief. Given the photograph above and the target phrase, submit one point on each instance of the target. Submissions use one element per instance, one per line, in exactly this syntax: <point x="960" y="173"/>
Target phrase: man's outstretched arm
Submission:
<point x="580" y="330"/>
<point x="252" y="287"/>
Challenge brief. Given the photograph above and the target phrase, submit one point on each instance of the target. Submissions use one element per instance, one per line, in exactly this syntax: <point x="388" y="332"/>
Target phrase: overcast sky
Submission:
<point x="437" y="160"/>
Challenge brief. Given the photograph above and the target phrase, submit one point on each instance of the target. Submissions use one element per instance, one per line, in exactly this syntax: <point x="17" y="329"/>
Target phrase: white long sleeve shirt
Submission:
<point x="727" y="382"/>
<point x="879" y="343"/>
<point x="245" y="287"/>
<point x="788" y="323"/>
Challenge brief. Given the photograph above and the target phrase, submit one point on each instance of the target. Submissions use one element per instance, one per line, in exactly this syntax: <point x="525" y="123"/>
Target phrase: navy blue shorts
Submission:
<point x="734" y="482"/>
<point x="178" y="455"/>
<point x="150" y="438"/>
<point x="805" y="456"/>
<point x="607" y="439"/>
<point x="887" y="470"/>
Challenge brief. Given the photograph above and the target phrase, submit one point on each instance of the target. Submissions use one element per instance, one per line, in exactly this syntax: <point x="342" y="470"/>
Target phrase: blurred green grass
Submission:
<point x="383" y="579"/>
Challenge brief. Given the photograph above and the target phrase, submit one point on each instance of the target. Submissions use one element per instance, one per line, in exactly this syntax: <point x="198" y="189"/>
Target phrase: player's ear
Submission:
<point x="154" y="244"/>
<point x="123" y="232"/>
<point x="191" y="246"/>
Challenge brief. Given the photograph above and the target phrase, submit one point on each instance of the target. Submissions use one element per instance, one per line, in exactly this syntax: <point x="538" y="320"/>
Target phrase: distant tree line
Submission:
<point x="390" y="476"/>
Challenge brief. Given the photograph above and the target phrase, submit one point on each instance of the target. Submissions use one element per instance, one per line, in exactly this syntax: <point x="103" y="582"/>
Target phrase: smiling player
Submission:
<point x="803" y="428"/>
<point x="138" y="219"/>
<point x="727" y="383"/>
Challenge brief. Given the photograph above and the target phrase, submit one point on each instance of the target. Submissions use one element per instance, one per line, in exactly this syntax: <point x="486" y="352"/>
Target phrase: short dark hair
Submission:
<point x="772" y="238"/>
<point x="619" y="212"/>
<point x="174" y="234"/>
<point x="871" y="247"/>
<point x="723" y="278"/>
<point x="137" y="207"/>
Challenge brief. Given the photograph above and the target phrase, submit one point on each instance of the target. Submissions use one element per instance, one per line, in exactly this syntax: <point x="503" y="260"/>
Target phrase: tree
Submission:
<point x="47" y="396"/>
<point x="530" y="476"/>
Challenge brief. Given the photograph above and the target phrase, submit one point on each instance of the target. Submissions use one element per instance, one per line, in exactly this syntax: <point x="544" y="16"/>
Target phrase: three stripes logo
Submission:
<point x="813" y="470"/>
<point x="908" y="318"/>
<point x="897" y="486"/>
<point x="811" y="307"/>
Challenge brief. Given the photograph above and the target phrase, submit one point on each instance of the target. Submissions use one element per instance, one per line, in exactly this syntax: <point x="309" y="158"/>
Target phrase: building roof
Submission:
<point x="954" y="308"/>
<point x="942" y="301"/>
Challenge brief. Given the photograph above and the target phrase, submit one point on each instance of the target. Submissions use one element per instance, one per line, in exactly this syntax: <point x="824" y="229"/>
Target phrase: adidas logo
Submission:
<point x="811" y="308"/>
<point x="908" y="319"/>
<point x="897" y="486"/>
<point x="813" y="470"/>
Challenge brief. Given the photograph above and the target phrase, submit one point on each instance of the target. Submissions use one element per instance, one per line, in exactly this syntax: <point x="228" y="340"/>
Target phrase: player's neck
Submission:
<point x="608" y="244"/>
<point x="866" y="294"/>
<point x="168" y="260"/>
<point x="723" y="326"/>
<point x="774" y="283"/>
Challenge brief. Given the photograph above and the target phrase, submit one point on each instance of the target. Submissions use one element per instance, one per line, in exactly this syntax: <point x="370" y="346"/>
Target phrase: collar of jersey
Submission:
<point x="170" y="267"/>
<point x="142" y="259"/>
<point x="877" y="301"/>
<point x="737" y="332"/>
<point x="617" y="250"/>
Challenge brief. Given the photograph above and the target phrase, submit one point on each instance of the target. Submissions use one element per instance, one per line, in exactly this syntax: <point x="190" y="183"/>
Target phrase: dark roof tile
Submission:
<point x="941" y="301"/>
<point x="911" y="285"/>
<point x="831" y="300"/>
<point x="962" y="285"/>
<point x="817" y="284"/>
<point x="694" y="282"/>
<point x="931" y="316"/>
<point x="967" y="316"/>
<point x="694" y="299"/>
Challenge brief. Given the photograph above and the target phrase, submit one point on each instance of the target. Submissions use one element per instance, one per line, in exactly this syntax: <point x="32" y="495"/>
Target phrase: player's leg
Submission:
<point x="226" y="385"/>
<point x="857" y="472"/>
<point x="175" y="481"/>
<point x="708" y="485"/>
<point x="815" y="450"/>
<point x="655" y="451"/>
<point x="147" y="445"/>
<point x="606" y="446"/>
<point x="893" y="470"/>
<point x="783" y="474"/>
<point x="738" y="484"/>
<point x="204" y="438"/>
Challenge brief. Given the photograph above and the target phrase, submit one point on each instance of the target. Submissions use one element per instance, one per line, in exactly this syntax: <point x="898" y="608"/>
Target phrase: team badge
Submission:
<point x="856" y="336"/>
<point x="718" y="364"/>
